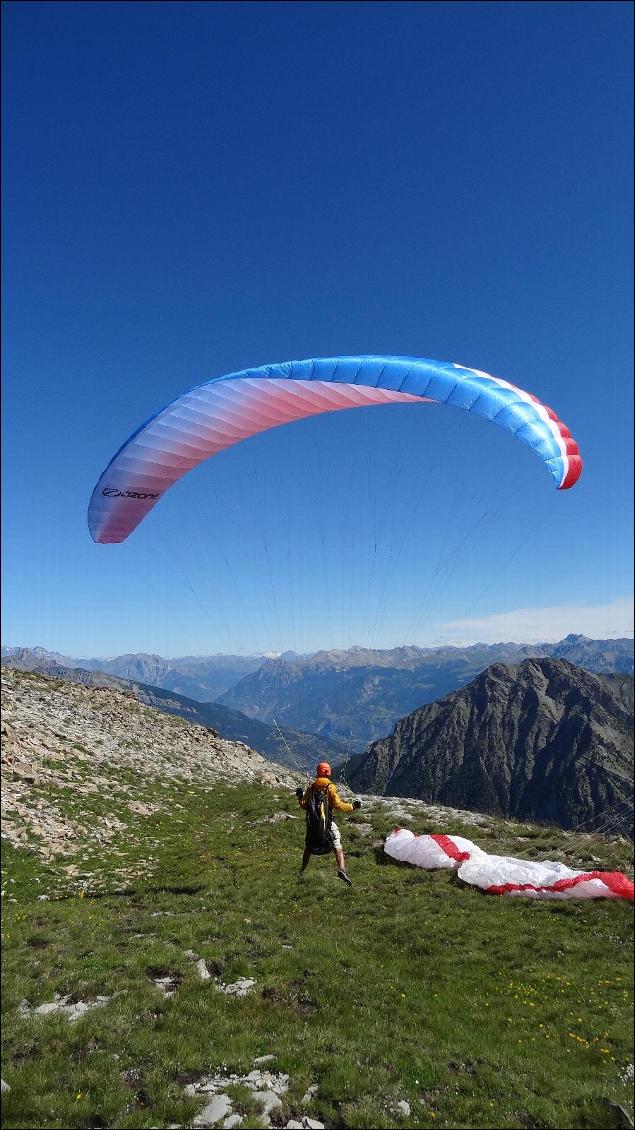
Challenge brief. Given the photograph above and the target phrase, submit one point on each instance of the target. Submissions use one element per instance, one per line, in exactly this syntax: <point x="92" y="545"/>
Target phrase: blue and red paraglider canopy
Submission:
<point x="224" y="410"/>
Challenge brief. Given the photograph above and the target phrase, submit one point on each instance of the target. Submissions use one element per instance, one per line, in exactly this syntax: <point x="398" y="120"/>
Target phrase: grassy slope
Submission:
<point x="480" y="1012"/>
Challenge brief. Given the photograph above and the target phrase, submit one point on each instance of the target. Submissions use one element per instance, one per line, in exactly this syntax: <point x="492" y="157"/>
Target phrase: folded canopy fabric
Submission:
<point x="503" y="874"/>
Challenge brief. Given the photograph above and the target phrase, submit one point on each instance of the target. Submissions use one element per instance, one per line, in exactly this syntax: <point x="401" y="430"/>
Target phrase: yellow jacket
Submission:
<point x="322" y="784"/>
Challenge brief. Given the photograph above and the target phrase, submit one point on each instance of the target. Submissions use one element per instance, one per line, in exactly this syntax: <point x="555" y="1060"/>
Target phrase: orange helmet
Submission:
<point x="324" y="769"/>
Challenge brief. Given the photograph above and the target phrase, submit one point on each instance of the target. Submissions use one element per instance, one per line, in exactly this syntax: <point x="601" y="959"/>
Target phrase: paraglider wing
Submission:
<point x="225" y="410"/>
<point x="503" y="874"/>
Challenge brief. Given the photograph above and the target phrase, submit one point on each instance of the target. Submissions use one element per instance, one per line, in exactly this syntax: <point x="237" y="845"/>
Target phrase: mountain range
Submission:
<point x="203" y="678"/>
<point x="357" y="696"/>
<point x="351" y="697"/>
<point x="543" y="741"/>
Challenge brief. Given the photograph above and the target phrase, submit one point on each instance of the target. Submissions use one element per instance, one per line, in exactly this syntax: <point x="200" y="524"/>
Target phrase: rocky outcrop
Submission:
<point x="544" y="741"/>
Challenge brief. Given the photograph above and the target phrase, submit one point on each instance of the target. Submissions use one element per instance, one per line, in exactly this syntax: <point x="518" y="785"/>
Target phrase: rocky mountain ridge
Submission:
<point x="609" y="655"/>
<point x="544" y="741"/>
<point x="69" y="749"/>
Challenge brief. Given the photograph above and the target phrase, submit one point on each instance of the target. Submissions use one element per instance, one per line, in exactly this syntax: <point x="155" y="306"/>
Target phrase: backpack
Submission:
<point x="318" y="823"/>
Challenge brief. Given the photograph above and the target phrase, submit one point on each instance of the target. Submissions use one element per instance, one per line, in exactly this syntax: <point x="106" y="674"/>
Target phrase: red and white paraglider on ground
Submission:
<point x="502" y="874"/>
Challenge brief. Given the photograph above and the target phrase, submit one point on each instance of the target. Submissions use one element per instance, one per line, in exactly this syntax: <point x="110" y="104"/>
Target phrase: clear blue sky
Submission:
<point x="193" y="188"/>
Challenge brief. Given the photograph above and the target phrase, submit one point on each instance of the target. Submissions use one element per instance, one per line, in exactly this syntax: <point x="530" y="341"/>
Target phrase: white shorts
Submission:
<point x="335" y="836"/>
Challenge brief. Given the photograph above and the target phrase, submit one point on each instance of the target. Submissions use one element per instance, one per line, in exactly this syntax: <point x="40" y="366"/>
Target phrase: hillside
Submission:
<point x="163" y="964"/>
<point x="622" y="688"/>
<point x="357" y="696"/>
<point x="286" y="746"/>
<point x="543" y="741"/>
<point x="62" y="742"/>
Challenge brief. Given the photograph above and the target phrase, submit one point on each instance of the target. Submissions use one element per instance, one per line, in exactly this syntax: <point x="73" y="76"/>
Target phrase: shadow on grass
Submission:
<point x="382" y="859"/>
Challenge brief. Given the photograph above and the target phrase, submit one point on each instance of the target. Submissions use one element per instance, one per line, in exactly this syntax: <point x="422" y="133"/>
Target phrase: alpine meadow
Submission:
<point x="317" y="565"/>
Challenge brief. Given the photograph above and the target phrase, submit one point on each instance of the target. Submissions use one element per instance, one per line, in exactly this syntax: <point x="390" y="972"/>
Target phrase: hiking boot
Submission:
<point x="344" y="877"/>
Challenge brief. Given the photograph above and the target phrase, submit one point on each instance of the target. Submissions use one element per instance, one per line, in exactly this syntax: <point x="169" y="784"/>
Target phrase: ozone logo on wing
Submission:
<point x="112" y="492"/>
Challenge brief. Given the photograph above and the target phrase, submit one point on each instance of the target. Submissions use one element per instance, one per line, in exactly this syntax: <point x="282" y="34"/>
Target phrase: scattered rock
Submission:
<point x="266" y="1088"/>
<point x="240" y="988"/>
<point x="256" y="1080"/>
<point x="275" y="818"/>
<point x="202" y="970"/>
<point x="264" y="1059"/>
<point x="218" y="1107"/>
<point x="402" y="1108"/>
<point x="5" y="1087"/>
<point x="627" y="1075"/>
<point x="73" y="1011"/>
<point x="143" y="809"/>
<point x="168" y="985"/>
<point x="409" y="808"/>
<point x="310" y="1094"/>
<point x="269" y="1102"/>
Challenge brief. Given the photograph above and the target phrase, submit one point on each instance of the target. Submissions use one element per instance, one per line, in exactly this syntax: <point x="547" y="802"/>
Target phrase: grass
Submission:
<point x="480" y="1012"/>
